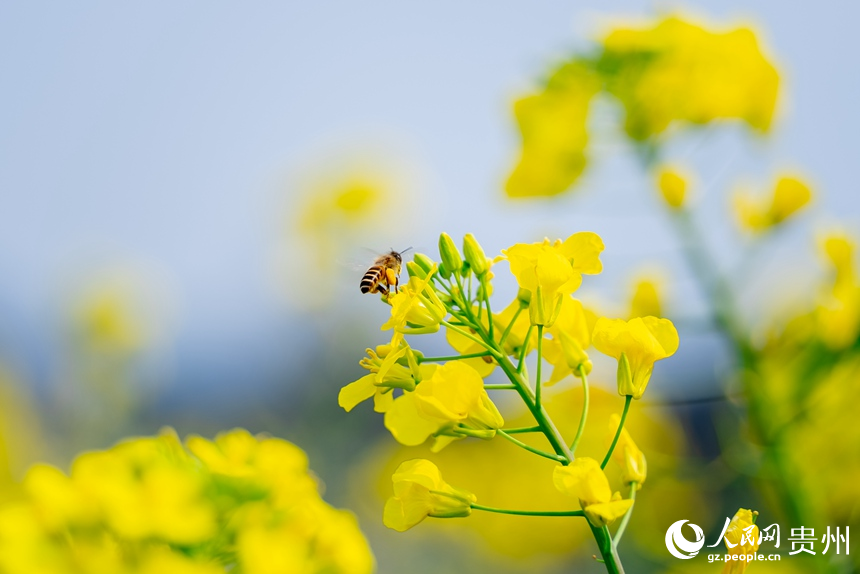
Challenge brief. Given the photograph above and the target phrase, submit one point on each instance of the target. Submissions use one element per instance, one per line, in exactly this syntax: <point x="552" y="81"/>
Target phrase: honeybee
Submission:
<point x="384" y="273"/>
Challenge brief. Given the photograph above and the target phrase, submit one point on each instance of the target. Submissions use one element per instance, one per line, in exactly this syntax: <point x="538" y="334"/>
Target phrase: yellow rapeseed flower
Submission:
<point x="789" y="196"/>
<point x="517" y="336"/>
<point x="419" y="492"/>
<point x="627" y="455"/>
<point x="742" y="537"/>
<point x="150" y="505"/>
<point x="553" y="125"/>
<point x="550" y="271"/>
<point x="451" y="404"/>
<point x="389" y="369"/>
<point x="416" y="309"/>
<point x="584" y="480"/>
<point x="571" y="336"/>
<point x="679" y="71"/>
<point x="637" y="344"/>
<point x="672" y="183"/>
<point x="838" y="313"/>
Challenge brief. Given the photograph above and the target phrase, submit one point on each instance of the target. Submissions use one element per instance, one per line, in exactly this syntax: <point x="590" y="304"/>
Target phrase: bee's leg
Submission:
<point x="380" y="288"/>
<point x="391" y="279"/>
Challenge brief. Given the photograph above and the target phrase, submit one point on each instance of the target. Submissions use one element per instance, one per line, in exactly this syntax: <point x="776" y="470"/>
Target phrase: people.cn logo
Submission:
<point x="680" y="547"/>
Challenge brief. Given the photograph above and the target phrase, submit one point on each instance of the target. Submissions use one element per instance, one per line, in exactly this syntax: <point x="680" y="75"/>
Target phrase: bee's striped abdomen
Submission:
<point x="371" y="279"/>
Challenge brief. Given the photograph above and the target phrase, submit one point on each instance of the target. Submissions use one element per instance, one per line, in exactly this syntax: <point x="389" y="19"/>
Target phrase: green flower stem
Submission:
<point x="484" y="285"/>
<point x="510" y="327"/>
<point x="584" y="416"/>
<point x="623" y="526"/>
<point x="454" y="357"/>
<point x="522" y="363"/>
<point x="607" y="550"/>
<point x="539" y="361"/>
<point x="499" y="387"/>
<point x="522" y="430"/>
<point x="537" y="451"/>
<point x="725" y="314"/>
<point x="627" y="400"/>
<point x="540" y="415"/>
<point x="471" y="337"/>
<point x="528" y="512"/>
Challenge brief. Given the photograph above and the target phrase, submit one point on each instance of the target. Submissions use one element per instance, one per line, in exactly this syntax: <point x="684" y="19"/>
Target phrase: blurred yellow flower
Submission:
<point x="789" y="196"/>
<point x="551" y="271"/>
<point x="451" y="404"/>
<point x="419" y="492"/>
<point x="637" y="344"/>
<point x="627" y="455"/>
<point x="672" y="183"/>
<point x="646" y="299"/>
<point x="149" y="505"/>
<point x="519" y="331"/>
<point x="742" y="537"/>
<point x="679" y="71"/>
<point x="466" y="346"/>
<point x="838" y="313"/>
<point x="553" y="128"/>
<point x="584" y="480"/>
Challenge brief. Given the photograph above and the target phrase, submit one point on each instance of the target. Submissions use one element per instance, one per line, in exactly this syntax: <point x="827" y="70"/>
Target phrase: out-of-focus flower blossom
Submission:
<point x="419" y="492"/>
<point x="627" y="455"/>
<point x="451" y="404"/>
<point x="742" y="537"/>
<point x="838" y="313"/>
<point x="551" y="271"/>
<point x="646" y="301"/>
<point x="466" y="346"/>
<point x="519" y="330"/>
<point x="789" y="196"/>
<point x="584" y="480"/>
<point x="553" y="127"/>
<point x="679" y="71"/>
<point x="148" y="506"/>
<point x="672" y="183"/>
<point x="637" y="344"/>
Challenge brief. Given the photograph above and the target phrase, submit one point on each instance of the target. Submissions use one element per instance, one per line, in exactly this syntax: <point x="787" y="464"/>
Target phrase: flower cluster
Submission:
<point x="151" y="505"/>
<point x="447" y="398"/>
<point x="673" y="71"/>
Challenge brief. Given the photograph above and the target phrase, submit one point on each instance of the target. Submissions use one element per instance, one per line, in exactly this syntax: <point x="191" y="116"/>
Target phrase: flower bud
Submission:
<point x="475" y="255"/>
<point x="625" y="377"/>
<point x="415" y="270"/>
<point x="524" y="297"/>
<point x="450" y="254"/>
<point x="673" y="187"/>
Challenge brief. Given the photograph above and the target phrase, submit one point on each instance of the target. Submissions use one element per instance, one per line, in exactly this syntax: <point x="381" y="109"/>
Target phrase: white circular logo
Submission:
<point x="680" y="547"/>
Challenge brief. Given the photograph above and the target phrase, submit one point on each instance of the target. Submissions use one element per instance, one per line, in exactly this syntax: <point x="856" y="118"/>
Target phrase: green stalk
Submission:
<point x="538" y="385"/>
<point x="528" y="512"/>
<point x="581" y="427"/>
<point x="623" y="526"/>
<point x="529" y="448"/>
<point x="627" y="400"/>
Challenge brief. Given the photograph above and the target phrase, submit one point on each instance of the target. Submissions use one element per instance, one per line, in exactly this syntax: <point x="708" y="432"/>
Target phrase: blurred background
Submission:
<point x="189" y="195"/>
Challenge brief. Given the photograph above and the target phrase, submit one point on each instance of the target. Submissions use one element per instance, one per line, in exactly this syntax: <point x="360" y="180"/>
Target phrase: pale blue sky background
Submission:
<point x="149" y="135"/>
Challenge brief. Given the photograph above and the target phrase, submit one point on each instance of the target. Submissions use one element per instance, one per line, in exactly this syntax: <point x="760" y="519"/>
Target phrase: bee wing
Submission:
<point x="354" y="266"/>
